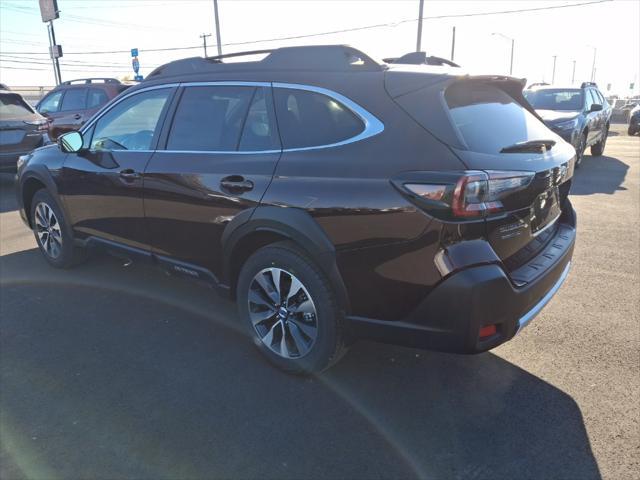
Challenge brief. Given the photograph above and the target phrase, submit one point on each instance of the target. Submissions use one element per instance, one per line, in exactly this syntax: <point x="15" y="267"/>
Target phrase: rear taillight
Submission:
<point x="468" y="195"/>
<point x="42" y="125"/>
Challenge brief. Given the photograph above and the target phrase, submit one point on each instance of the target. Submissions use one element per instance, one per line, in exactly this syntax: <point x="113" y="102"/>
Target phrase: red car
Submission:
<point x="73" y="102"/>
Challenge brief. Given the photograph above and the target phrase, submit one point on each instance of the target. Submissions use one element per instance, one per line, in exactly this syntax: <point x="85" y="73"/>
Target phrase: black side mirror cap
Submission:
<point x="595" y="107"/>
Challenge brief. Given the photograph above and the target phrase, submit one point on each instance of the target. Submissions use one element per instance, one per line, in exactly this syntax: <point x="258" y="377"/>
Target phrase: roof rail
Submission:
<point x="312" y="58"/>
<point x="538" y="84"/>
<point x="420" y="58"/>
<point x="589" y="84"/>
<point x="91" y="80"/>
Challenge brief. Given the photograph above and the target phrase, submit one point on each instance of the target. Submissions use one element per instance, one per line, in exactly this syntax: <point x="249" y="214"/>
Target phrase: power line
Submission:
<point x="345" y="30"/>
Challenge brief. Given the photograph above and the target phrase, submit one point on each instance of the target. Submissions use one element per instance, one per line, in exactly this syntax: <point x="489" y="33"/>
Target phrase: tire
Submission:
<point x="598" y="148"/>
<point x="580" y="149"/>
<point x="52" y="232"/>
<point x="631" y="131"/>
<point x="309" y="317"/>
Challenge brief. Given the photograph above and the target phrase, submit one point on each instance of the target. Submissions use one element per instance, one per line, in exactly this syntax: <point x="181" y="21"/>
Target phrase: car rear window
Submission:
<point x="74" y="99"/>
<point x="310" y="119"/>
<point x="488" y="119"/>
<point x="97" y="97"/>
<point x="12" y="106"/>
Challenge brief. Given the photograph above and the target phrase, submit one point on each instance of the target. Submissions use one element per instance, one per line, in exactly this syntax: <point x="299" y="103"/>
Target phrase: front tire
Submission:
<point x="52" y="233"/>
<point x="598" y="148"/>
<point x="582" y="145"/>
<point x="290" y="309"/>
<point x="632" y="131"/>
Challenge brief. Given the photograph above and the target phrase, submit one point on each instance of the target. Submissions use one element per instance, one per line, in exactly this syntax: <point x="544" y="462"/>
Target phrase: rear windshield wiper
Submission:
<point x="533" y="146"/>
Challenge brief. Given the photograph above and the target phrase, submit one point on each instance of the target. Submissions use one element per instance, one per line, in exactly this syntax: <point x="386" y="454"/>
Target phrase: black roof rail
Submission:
<point x="589" y="84"/>
<point x="314" y="58"/>
<point x="420" y="58"/>
<point x="91" y="80"/>
<point x="538" y="84"/>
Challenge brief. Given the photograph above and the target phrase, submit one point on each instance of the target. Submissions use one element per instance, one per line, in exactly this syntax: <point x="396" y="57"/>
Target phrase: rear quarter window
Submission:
<point x="12" y="106"/>
<point x="488" y="119"/>
<point x="310" y="119"/>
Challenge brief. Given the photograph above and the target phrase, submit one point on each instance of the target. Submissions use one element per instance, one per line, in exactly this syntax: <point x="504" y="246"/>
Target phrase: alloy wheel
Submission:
<point x="282" y="313"/>
<point x="48" y="230"/>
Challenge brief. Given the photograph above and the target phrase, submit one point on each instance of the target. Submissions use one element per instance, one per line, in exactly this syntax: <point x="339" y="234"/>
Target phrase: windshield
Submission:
<point x="549" y="99"/>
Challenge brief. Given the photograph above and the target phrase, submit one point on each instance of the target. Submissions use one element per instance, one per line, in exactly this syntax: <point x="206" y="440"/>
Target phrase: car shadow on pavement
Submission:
<point x="599" y="175"/>
<point x="8" y="201"/>
<point x="114" y="372"/>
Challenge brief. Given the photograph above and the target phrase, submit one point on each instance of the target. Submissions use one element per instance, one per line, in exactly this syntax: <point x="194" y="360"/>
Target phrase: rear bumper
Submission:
<point x="451" y="316"/>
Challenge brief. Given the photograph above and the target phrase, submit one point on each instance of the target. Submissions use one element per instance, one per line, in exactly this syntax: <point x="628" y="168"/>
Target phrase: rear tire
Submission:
<point x="598" y="148"/>
<point x="632" y="131"/>
<point x="290" y="309"/>
<point x="52" y="232"/>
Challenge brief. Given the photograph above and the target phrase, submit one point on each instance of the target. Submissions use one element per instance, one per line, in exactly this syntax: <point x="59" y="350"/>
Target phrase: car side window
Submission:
<point x="310" y="119"/>
<point x="131" y="124"/>
<point x="210" y="118"/>
<point x="259" y="132"/>
<point x="50" y="103"/>
<point x="74" y="99"/>
<point x="96" y="98"/>
<point x="588" y="100"/>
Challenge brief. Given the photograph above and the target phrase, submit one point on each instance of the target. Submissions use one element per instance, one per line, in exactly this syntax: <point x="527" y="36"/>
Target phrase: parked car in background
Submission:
<point x="73" y="102"/>
<point x="4" y="87"/>
<point x="627" y="108"/>
<point x="634" y="121"/>
<point x="333" y="197"/>
<point x="581" y="116"/>
<point x="21" y="129"/>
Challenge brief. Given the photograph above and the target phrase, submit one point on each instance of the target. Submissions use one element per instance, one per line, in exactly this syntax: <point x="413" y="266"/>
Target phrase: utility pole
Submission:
<point x="553" y="75"/>
<point x="573" y="74"/>
<point x="54" y="53"/>
<point x="593" y="67"/>
<point x="204" y="42"/>
<point x="218" y="41"/>
<point x="513" y="42"/>
<point x="419" y="42"/>
<point x="453" y="43"/>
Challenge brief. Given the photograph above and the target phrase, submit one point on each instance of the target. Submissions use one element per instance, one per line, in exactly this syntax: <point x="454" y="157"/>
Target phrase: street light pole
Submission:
<point x="204" y="42"/>
<point x="218" y="41"/>
<point x="453" y="43"/>
<point x="513" y="42"/>
<point x="553" y="75"/>
<point x="419" y="42"/>
<point x="593" y="67"/>
<point x="573" y="74"/>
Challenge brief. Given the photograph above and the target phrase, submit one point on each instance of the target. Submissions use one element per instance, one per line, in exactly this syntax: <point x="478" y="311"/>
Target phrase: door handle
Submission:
<point x="77" y="116"/>
<point x="129" y="174"/>
<point x="236" y="184"/>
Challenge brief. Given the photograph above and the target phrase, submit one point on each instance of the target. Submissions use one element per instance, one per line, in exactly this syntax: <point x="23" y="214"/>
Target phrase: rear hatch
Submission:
<point x="21" y="128"/>
<point x="519" y="172"/>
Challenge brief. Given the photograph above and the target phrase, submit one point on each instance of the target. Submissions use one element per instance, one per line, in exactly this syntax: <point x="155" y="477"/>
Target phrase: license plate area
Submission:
<point x="11" y="137"/>
<point x="545" y="210"/>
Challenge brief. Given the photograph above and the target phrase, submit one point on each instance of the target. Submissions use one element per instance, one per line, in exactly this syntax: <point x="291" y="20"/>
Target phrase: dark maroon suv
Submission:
<point x="73" y="102"/>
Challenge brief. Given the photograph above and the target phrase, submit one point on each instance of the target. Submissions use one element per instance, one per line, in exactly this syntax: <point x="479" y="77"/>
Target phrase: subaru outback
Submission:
<point x="333" y="197"/>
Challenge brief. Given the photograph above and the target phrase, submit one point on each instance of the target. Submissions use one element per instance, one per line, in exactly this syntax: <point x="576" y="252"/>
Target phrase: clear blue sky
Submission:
<point x="96" y="25"/>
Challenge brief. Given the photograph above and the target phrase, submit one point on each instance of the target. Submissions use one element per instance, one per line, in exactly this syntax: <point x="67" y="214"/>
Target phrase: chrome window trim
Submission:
<point x="372" y="125"/>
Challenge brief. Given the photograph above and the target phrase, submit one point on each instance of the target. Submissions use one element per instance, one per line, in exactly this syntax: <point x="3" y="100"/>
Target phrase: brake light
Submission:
<point x="42" y="125"/>
<point x="472" y="194"/>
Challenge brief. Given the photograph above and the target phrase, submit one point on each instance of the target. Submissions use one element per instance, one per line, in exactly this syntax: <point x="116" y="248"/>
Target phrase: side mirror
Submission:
<point x="71" y="142"/>
<point x="595" y="107"/>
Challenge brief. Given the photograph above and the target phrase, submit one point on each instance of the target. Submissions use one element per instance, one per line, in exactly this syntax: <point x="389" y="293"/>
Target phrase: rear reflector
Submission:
<point x="487" y="331"/>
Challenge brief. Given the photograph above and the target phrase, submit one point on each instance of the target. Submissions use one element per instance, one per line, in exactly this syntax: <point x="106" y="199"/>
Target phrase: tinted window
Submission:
<point x="210" y="118"/>
<point x="552" y="99"/>
<point x="96" y="98"/>
<point x="309" y="119"/>
<point x="12" y="106"/>
<point x="132" y="123"/>
<point x="488" y="119"/>
<point x="259" y="131"/>
<point x="50" y="103"/>
<point x="75" y="99"/>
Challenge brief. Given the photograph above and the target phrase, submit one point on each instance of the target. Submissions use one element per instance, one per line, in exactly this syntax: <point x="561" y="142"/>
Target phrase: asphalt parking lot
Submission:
<point x="113" y="371"/>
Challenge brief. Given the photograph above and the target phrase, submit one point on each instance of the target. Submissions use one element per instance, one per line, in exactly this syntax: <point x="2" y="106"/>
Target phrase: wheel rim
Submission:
<point x="48" y="230"/>
<point x="581" y="148"/>
<point x="282" y="313"/>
